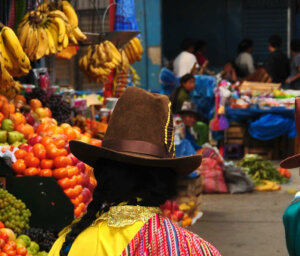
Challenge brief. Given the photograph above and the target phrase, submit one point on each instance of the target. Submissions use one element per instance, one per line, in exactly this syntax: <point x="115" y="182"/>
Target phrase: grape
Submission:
<point x="45" y="238"/>
<point x="13" y="211"/>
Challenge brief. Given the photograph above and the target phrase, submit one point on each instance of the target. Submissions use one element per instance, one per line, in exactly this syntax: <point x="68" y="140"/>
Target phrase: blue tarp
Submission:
<point x="184" y="148"/>
<point x="125" y="15"/>
<point x="203" y="95"/>
<point x="270" y="126"/>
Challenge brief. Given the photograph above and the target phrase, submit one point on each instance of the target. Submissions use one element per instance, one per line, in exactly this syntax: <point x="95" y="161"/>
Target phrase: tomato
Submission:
<point x="46" y="140"/>
<point x="22" y="251"/>
<point x="52" y="151"/>
<point x="60" y="173"/>
<point x="4" y="236"/>
<point x="13" y="244"/>
<point x="62" y="152"/>
<point x="3" y="254"/>
<point x="71" y="134"/>
<point x="19" y="166"/>
<point x="20" y="154"/>
<point x="79" y="179"/>
<point x="72" y="171"/>
<point x="46" y="172"/>
<point x="39" y="150"/>
<point x="2" y="225"/>
<point x="62" y="161"/>
<point x="32" y="171"/>
<point x="32" y="161"/>
<point x="73" y="192"/>
<point x="46" y="163"/>
<point x="65" y="183"/>
<point x="60" y="143"/>
<point x="77" y="189"/>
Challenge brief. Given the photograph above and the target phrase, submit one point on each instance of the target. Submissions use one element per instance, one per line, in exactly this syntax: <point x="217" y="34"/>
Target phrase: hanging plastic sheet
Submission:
<point x="167" y="80"/>
<point x="184" y="148"/>
<point x="125" y="15"/>
<point x="270" y="126"/>
<point x="203" y="95"/>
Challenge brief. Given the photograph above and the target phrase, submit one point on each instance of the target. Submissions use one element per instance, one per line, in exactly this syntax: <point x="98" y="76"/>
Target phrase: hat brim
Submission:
<point x="291" y="162"/>
<point x="89" y="154"/>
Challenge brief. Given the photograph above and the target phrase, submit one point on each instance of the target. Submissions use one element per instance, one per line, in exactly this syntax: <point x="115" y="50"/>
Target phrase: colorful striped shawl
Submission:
<point x="161" y="237"/>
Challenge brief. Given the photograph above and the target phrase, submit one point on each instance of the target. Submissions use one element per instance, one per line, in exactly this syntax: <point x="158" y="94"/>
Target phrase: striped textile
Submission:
<point x="161" y="237"/>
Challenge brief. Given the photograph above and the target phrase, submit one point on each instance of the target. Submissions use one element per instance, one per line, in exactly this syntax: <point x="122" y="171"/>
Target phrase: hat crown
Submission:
<point x="140" y="116"/>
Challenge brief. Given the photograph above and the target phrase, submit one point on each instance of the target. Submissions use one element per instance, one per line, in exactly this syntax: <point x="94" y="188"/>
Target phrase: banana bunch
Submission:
<point x="48" y="31"/>
<point x="13" y="62"/>
<point x="135" y="78"/>
<point x="134" y="50"/>
<point x="100" y="60"/>
<point x="267" y="186"/>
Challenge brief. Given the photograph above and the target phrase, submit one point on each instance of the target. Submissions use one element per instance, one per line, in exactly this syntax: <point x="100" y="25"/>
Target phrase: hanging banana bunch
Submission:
<point x="48" y="30"/>
<point x="134" y="50"/>
<point x="100" y="60"/>
<point x="13" y="62"/>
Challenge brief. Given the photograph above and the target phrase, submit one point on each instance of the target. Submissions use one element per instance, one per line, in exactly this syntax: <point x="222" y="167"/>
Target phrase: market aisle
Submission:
<point x="246" y="224"/>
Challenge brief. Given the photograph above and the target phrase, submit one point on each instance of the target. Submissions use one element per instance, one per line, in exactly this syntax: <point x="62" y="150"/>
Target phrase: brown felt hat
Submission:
<point x="140" y="132"/>
<point x="294" y="161"/>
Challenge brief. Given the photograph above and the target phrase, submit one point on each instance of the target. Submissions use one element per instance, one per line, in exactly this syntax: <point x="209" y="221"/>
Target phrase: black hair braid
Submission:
<point x="94" y="207"/>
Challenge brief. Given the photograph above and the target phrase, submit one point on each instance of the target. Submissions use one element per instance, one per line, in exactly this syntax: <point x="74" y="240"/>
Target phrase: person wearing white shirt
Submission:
<point x="186" y="60"/>
<point x="244" y="61"/>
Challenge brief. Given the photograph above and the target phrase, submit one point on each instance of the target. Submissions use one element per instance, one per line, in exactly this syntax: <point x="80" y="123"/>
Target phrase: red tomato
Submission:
<point x="47" y="164"/>
<point x="20" y="154"/>
<point x="19" y="166"/>
<point x="46" y="140"/>
<point x="39" y="151"/>
<point x="2" y="225"/>
<point x="62" y="161"/>
<point x="72" y="171"/>
<point x="32" y="171"/>
<point x="46" y="172"/>
<point x="22" y="251"/>
<point x="32" y="161"/>
<point x="13" y="244"/>
<point x="60" y="173"/>
<point x="60" y="143"/>
<point x="62" y="152"/>
<point x="52" y="151"/>
<point x="4" y="236"/>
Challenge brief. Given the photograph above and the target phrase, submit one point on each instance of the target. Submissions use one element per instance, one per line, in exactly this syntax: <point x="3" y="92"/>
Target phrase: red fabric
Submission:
<point x="12" y="15"/>
<point x="161" y="237"/>
<point x="112" y="12"/>
<point x="200" y="58"/>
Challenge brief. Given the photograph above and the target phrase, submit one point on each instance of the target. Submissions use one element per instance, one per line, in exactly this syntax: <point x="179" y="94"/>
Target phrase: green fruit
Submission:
<point x="43" y="253"/>
<point x="7" y="125"/>
<point x="25" y="239"/>
<point x="14" y="137"/>
<point x="20" y="243"/>
<point x="3" y="136"/>
<point x="35" y="247"/>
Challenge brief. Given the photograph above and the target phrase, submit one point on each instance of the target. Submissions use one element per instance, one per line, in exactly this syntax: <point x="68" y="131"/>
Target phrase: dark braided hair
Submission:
<point x="120" y="182"/>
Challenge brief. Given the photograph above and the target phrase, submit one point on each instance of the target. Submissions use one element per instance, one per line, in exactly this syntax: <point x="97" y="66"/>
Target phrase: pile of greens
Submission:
<point x="259" y="169"/>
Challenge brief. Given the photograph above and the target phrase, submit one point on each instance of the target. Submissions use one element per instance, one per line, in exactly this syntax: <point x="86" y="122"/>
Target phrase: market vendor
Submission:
<point x="291" y="217"/>
<point x="196" y="132"/>
<point x="294" y="78"/>
<point x="182" y="93"/>
<point x="136" y="172"/>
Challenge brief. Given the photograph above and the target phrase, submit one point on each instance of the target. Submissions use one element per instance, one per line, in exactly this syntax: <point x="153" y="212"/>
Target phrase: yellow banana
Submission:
<point x="78" y="34"/>
<point x="12" y="43"/>
<point x="138" y="44"/>
<point x="53" y="30"/>
<point x="32" y="43"/>
<point x="51" y="42"/>
<point x="23" y="33"/>
<point x="69" y="11"/>
<point x="43" y="46"/>
<point x="65" y="41"/>
<point x="61" y="28"/>
<point x="6" y="59"/>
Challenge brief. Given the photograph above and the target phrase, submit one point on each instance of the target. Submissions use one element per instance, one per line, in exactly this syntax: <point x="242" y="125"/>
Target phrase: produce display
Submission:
<point x="13" y="212"/>
<point x="260" y="170"/>
<point x="13" y="62"/>
<point x="49" y="30"/>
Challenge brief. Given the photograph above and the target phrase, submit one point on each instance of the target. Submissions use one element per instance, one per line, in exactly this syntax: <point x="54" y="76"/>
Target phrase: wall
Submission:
<point x="148" y="15"/>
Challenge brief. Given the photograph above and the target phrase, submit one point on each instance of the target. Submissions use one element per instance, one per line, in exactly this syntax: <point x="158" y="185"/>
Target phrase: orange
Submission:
<point x="60" y="143"/>
<point x="77" y="128"/>
<point x="71" y="134"/>
<point x="35" y="103"/>
<point x="47" y="164"/>
<point x="65" y="126"/>
<point x="60" y="173"/>
<point x="62" y="152"/>
<point x="19" y="166"/>
<point x="39" y="150"/>
<point x="46" y="140"/>
<point x="20" y="154"/>
<point x="52" y="151"/>
<point x="72" y="171"/>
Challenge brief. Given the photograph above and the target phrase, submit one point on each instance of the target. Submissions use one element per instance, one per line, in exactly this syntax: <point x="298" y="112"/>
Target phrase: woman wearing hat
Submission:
<point x="291" y="216"/>
<point x="136" y="172"/>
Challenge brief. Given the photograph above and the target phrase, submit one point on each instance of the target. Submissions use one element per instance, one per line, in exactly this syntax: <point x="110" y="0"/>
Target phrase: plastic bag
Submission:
<point x="236" y="180"/>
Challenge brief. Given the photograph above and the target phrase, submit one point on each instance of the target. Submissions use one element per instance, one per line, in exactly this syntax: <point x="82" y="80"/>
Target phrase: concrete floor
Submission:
<point x="247" y="224"/>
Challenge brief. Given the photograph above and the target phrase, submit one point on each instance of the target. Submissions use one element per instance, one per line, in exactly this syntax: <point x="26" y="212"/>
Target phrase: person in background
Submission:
<point x="244" y="61"/>
<point x="294" y="78"/>
<point x="196" y="132"/>
<point x="186" y="61"/>
<point x="278" y="64"/>
<point x="182" y="93"/>
<point x="200" y="50"/>
<point x="229" y="73"/>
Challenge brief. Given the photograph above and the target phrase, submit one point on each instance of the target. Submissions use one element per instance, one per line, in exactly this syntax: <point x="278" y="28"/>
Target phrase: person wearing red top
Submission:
<point x="200" y="50"/>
